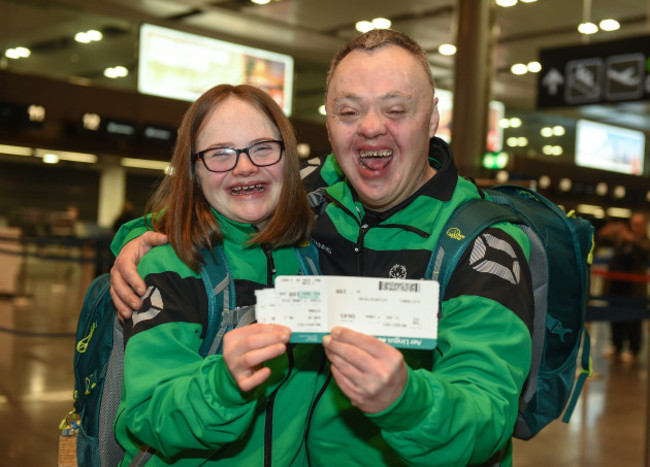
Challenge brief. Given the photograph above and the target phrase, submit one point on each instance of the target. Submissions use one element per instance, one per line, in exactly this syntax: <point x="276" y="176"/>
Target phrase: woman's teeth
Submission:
<point x="247" y="190"/>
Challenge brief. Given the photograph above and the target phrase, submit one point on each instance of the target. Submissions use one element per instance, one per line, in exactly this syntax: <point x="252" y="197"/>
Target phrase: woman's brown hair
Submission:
<point x="179" y="208"/>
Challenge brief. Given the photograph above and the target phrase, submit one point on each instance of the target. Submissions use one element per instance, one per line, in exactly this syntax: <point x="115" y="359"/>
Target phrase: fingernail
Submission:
<point x="327" y="340"/>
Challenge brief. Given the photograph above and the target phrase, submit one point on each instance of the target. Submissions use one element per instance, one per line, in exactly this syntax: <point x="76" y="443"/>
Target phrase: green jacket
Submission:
<point x="189" y="409"/>
<point x="460" y="402"/>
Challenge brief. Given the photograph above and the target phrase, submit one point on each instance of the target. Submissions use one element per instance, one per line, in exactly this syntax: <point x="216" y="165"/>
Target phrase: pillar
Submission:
<point x="112" y="191"/>
<point x="472" y="83"/>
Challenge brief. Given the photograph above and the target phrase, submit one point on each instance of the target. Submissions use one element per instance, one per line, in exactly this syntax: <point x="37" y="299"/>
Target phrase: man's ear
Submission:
<point x="435" y="119"/>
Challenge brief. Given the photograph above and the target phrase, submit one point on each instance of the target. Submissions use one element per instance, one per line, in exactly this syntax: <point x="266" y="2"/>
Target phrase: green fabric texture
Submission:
<point x="460" y="402"/>
<point x="190" y="409"/>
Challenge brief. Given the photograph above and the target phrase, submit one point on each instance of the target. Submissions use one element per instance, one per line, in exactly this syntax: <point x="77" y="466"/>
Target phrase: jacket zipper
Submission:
<point x="268" y="421"/>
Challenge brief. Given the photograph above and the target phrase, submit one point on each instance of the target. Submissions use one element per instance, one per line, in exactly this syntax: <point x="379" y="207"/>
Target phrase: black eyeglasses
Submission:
<point x="224" y="159"/>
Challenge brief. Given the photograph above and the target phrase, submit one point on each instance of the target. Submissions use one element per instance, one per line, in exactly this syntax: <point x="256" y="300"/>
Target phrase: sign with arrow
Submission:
<point x="600" y="73"/>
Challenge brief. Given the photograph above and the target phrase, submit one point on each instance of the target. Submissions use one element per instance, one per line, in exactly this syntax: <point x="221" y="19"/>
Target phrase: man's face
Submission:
<point x="380" y="117"/>
<point x="639" y="225"/>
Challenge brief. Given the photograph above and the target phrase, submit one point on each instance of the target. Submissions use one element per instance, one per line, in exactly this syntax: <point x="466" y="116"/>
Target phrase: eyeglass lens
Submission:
<point x="261" y="154"/>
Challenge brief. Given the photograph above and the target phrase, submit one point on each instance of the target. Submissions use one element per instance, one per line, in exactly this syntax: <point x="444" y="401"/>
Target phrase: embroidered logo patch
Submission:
<point x="152" y="305"/>
<point x="486" y="249"/>
<point x="454" y="232"/>
<point x="397" y="272"/>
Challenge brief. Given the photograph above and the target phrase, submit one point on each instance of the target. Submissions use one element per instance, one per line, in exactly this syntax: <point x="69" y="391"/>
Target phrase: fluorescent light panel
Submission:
<point x="16" y="150"/>
<point x="68" y="155"/>
<point x="144" y="164"/>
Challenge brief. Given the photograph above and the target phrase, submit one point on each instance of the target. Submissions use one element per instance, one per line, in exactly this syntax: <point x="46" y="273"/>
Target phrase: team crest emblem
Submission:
<point x="397" y="272"/>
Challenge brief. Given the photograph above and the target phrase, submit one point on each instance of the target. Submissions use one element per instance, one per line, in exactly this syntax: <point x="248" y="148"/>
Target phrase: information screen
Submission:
<point x="180" y="65"/>
<point x="608" y="147"/>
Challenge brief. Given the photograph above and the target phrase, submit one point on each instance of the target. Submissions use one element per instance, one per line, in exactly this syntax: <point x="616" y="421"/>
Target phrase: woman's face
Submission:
<point x="247" y="193"/>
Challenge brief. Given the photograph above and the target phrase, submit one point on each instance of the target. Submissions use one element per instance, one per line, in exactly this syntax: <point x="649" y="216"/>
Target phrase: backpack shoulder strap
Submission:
<point x="220" y="290"/>
<point x="464" y="225"/>
<point x="308" y="260"/>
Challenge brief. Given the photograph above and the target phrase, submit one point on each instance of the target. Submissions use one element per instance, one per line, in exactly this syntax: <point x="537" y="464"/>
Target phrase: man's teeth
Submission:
<point x="245" y="190"/>
<point x="384" y="153"/>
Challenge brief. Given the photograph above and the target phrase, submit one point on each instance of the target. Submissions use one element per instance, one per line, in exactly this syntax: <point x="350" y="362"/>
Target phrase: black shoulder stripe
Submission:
<point x="495" y="267"/>
<point x="168" y="299"/>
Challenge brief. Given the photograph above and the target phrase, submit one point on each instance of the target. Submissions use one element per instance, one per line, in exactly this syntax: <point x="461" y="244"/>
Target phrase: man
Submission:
<point x="631" y="255"/>
<point x="392" y="187"/>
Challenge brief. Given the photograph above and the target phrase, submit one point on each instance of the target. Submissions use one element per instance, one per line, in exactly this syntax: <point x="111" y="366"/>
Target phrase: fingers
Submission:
<point x="123" y="310"/>
<point x="149" y="240"/>
<point x="371" y="373"/>
<point x="246" y="349"/>
<point x="123" y="296"/>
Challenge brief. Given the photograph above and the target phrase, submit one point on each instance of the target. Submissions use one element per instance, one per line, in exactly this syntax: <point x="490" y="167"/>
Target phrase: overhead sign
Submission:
<point x="599" y="73"/>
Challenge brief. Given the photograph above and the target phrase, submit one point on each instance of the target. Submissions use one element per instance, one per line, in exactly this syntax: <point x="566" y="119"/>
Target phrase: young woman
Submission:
<point x="236" y="186"/>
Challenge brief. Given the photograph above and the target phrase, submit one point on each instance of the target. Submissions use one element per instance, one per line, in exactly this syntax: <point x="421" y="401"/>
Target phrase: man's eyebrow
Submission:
<point x="389" y="96"/>
<point x="396" y="96"/>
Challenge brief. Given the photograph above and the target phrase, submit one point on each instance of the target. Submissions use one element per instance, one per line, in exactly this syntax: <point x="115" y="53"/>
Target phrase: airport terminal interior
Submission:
<point x="552" y="94"/>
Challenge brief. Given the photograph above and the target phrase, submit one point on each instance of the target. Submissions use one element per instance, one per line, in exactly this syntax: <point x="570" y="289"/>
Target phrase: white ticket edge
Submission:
<point x="400" y="312"/>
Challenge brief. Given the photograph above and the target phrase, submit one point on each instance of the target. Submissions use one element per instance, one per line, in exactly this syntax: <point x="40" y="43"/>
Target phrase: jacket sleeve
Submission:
<point x="173" y="399"/>
<point x="128" y="232"/>
<point x="462" y="411"/>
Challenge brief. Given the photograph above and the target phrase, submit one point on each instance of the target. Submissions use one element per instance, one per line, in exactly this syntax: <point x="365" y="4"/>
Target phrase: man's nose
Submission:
<point x="372" y="124"/>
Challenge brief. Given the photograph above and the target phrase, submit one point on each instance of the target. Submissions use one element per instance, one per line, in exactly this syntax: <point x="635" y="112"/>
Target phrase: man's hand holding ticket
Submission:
<point x="401" y="312"/>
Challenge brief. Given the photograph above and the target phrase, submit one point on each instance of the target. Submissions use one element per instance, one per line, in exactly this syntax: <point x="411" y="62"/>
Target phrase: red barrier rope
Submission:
<point x="621" y="276"/>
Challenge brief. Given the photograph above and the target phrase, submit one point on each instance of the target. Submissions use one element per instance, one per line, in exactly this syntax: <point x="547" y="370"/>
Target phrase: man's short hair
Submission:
<point x="382" y="38"/>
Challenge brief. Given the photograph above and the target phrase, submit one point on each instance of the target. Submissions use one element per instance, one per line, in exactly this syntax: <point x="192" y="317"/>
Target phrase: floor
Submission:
<point x="38" y="319"/>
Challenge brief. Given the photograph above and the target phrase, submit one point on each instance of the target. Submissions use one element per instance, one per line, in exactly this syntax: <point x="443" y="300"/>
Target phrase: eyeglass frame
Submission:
<point x="200" y="154"/>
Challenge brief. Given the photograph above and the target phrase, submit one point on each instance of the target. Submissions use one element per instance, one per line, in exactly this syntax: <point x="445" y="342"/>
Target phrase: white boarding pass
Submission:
<point x="401" y="312"/>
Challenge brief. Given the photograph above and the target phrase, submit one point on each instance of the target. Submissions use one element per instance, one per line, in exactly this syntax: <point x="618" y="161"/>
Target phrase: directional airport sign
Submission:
<point x="599" y="73"/>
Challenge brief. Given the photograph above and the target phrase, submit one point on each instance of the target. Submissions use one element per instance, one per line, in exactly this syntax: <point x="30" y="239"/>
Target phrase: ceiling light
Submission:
<point x="304" y="150"/>
<point x="261" y="2"/>
<point x="506" y="3"/>
<point x="519" y="69"/>
<point x="544" y="181"/>
<point x="82" y="37"/>
<point x="547" y="149"/>
<point x="36" y="113"/>
<point x="381" y="23"/>
<point x="619" y="192"/>
<point x="557" y="150"/>
<point x="515" y="122"/>
<point x="601" y="189"/>
<point x="364" y="26"/>
<point x="546" y="132"/>
<point x="565" y="184"/>
<point x="18" y="52"/>
<point x="609" y="25"/>
<point x="587" y="28"/>
<point x="50" y="158"/>
<point x="91" y="121"/>
<point x="502" y="176"/>
<point x="504" y="123"/>
<point x="512" y="142"/>
<point x="558" y="130"/>
<point x="321" y="110"/>
<point x="522" y="141"/>
<point x="145" y="164"/>
<point x="447" y="49"/>
<point x="624" y="213"/>
<point x="528" y="1"/>
<point x="94" y="35"/>
<point x="534" y="67"/>
<point x="116" y="72"/>
<point x="65" y="156"/>
<point x="16" y="150"/>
